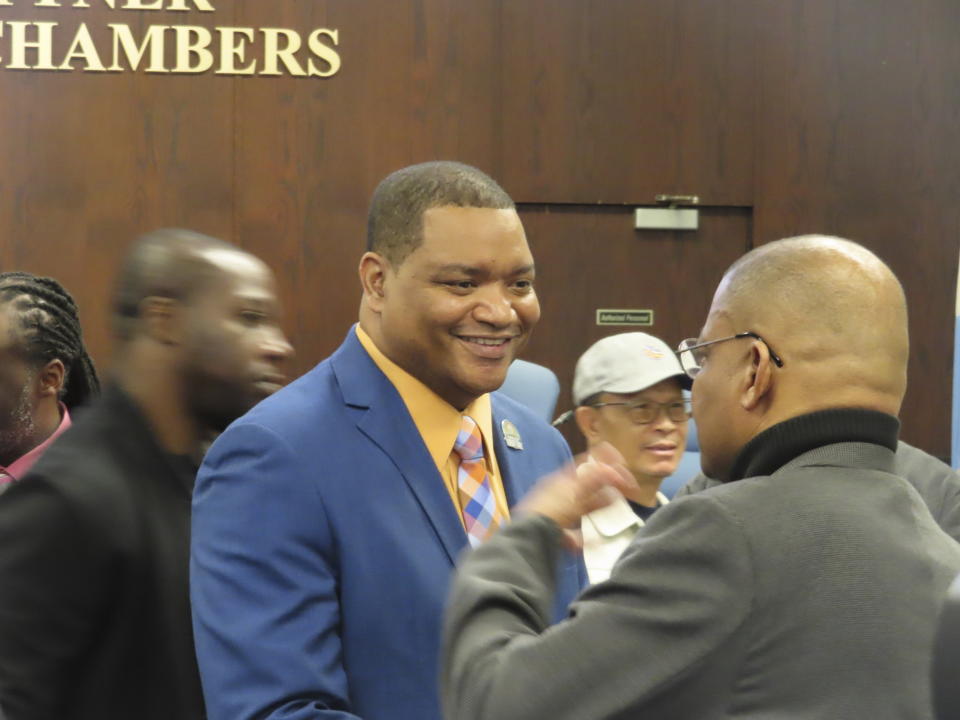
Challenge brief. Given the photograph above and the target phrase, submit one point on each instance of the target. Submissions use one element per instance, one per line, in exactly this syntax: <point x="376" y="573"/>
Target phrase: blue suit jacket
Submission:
<point x="323" y="544"/>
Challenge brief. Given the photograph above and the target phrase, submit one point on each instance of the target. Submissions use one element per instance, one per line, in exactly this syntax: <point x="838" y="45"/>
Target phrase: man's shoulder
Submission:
<point x="310" y="390"/>
<point x="697" y="484"/>
<point x="86" y="473"/>
<point x="314" y="397"/>
<point x="311" y="415"/>
<point x="923" y="470"/>
<point x="697" y="526"/>
<point x="842" y="485"/>
<point x="97" y="441"/>
<point x="713" y="497"/>
<point x="346" y="378"/>
<point x="937" y="483"/>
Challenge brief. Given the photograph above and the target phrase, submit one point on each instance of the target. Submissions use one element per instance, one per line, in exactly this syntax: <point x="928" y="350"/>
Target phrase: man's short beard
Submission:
<point x="215" y="403"/>
<point x="18" y="427"/>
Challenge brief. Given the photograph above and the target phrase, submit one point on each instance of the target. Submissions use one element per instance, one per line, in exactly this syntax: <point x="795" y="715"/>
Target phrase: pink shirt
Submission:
<point x="19" y="467"/>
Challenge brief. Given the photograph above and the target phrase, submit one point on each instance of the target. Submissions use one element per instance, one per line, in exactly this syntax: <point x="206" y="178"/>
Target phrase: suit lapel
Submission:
<point x="388" y="424"/>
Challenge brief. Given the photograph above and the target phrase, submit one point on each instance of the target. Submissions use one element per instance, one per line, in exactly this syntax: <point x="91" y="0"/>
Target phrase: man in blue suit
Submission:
<point x="328" y="519"/>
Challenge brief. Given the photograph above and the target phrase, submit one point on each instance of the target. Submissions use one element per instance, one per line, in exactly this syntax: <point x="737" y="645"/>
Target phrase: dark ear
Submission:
<point x="162" y="319"/>
<point x="757" y="378"/>
<point x="586" y="418"/>
<point x="373" y="272"/>
<point x="50" y="378"/>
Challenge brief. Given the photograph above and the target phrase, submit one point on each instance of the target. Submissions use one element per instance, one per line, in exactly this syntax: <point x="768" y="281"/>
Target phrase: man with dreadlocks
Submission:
<point x="45" y="371"/>
<point x="94" y="543"/>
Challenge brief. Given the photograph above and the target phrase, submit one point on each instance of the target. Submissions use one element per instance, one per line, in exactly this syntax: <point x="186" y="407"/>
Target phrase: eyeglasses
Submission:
<point x="643" y="413"/>
<point x="692" y="356"/>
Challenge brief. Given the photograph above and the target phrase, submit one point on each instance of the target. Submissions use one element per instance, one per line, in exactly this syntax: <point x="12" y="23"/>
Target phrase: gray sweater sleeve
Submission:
<point x="675" y="598"/>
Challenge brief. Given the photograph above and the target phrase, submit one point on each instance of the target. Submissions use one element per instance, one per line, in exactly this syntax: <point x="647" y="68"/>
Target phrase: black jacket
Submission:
<point x="94" y="558"/>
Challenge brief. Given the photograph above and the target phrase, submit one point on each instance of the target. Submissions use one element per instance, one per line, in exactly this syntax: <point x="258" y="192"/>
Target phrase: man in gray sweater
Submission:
<point x="778" y="595"/>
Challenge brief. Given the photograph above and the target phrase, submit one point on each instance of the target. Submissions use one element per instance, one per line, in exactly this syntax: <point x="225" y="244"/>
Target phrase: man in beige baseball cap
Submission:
<point x="628" y="391"/>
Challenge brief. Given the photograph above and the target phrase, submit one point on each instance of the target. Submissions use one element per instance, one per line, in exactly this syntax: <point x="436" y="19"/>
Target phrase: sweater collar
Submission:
<point x="778" y="445"/>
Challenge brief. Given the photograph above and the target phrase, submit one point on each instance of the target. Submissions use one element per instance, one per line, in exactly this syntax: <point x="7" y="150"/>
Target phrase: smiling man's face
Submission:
<point x="459" y="308"/>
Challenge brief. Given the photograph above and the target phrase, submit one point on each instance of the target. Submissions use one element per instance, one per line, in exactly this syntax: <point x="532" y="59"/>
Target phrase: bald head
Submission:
<point x="170" y="263"/>
<point x="836" y="318"/>
<point x="836" y="315"/>
<point x="200" y="340"/>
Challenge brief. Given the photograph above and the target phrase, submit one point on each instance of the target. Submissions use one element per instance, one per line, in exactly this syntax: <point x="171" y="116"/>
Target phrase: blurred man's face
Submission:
<point x="235" y="351"/>
<point x="459" y="308"/>
<point x="651" y="450"/>
<point x="18" y="396"/>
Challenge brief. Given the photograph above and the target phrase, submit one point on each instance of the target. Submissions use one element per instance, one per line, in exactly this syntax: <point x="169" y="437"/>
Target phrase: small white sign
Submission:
<point x="666" y="218"/>
<point x="625" y="317"/>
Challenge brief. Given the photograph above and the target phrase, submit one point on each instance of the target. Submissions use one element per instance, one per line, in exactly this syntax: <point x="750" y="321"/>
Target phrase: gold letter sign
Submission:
<point x="60" y="39"/>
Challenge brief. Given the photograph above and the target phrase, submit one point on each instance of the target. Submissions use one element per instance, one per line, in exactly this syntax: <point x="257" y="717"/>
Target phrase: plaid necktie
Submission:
<point x="480" y="514"/>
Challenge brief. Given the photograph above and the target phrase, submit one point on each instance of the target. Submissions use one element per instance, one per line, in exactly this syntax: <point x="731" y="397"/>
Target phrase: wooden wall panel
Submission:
<point x="858" y="137"/>
<point x="615" y="101"/>
<point x="90" y="160"/>
<point x="419" y="82"/>
<point x="589" y="258"/>
<point x="832" y="117"/>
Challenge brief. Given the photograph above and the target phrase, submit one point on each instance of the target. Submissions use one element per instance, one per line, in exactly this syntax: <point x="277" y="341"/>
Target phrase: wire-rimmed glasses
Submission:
<point x="645" y="411"/>
<point x="691" y="352"/>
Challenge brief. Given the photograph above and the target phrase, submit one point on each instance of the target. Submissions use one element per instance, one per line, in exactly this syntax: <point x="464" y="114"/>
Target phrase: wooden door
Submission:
<point x="591" y="257"/>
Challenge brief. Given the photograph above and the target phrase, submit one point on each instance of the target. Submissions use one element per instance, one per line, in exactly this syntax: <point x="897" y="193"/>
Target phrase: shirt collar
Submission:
<point x="19" y="467"/>
<point x="436" y="419"/>
<point x="613" y="519"/>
